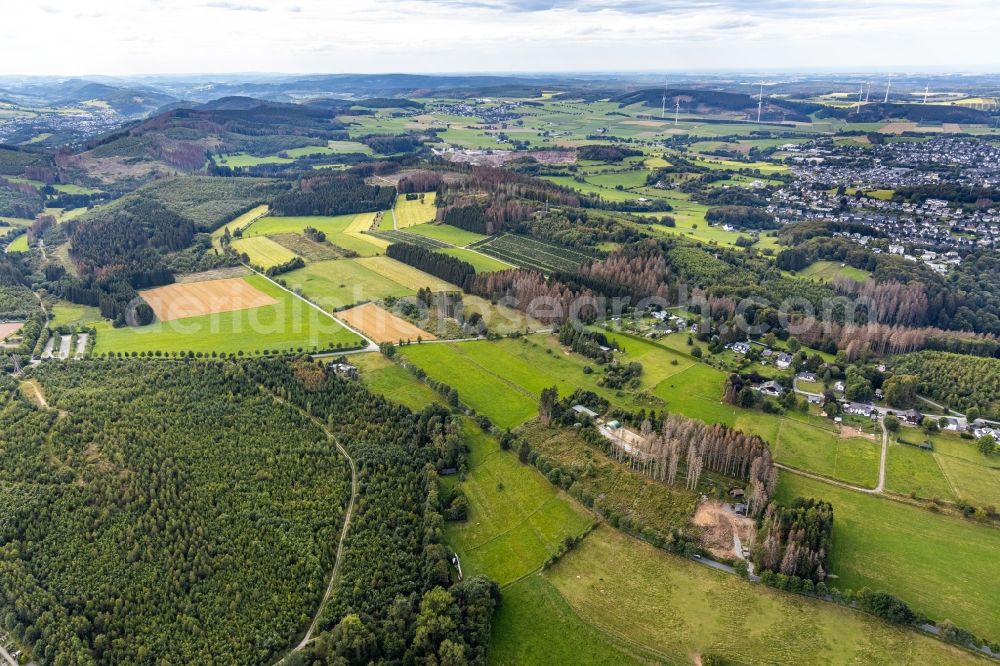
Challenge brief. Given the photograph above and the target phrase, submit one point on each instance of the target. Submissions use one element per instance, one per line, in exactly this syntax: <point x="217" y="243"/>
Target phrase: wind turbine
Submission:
<point x="677" y="110"/>
<point x="861" y="94"/>
<point x="868" y="92"/>
<point x="760" y="102"/>
<point x="926" y="90"/>
<point x="887" y="86"/>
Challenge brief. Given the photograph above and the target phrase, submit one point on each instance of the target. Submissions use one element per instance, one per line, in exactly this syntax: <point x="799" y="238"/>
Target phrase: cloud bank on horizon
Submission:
<point x="189" y="36"/>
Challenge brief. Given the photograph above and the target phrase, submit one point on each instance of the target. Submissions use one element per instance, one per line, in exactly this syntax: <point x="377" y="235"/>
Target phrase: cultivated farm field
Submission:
<point x="381" y="325"/>
<point x="341" y="230"/>
<point x="287" y="325"/>
<point x="411" y="212"/>
<point x="193" y="299"/>
<point x="530" y="253"/>
<point x="263" y="251"/>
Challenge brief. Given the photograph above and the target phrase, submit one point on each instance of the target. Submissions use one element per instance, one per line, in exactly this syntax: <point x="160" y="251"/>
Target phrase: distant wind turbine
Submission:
<point x="677" y="110"/>
<point x="926" y="90"/>
<point x="868" y="92"/>
<point x="760" y="102"/>
<point x="887" y="86"/>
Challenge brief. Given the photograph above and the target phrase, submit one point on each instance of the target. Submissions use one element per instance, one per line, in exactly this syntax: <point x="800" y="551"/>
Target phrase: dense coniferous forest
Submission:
<point x="163" y="495"/>
<point x="446" y="267"/>
<point x="601" y="153"/>
<point x="157" y="500"/>
<point x="742" y="217"/>
<point x="395" y="575"/>
<point x="339" y="195"/>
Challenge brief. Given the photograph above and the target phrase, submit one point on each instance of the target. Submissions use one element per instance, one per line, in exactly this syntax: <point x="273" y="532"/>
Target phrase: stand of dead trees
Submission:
<point x="714" y="447"/>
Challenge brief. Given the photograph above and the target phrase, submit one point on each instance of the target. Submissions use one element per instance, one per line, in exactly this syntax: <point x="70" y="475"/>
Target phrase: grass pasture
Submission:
<point x="446" y="234"/>
<point x="383" y="376"/>
<point x="64" y="313"/>
<point x="828" y="271"/>
<point x="943" y="566"/>
<point x="287" y="325"/>
<point x="517" y="518"/>
<point x="481" y="262"/>
<point x="682" y="611"/>
<point x="336" y="284"/>
<point x="517" y="371"/>
<point x="263" y="252"/>
<point x="19" y="244"/>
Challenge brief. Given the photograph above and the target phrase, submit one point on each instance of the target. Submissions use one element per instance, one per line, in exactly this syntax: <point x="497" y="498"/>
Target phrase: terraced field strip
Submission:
<point x="531" y="253"/>
<point x="411" y="239"/>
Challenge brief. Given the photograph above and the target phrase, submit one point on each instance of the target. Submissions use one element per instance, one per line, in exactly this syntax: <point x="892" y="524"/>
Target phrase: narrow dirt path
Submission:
<point x="824" y="479"/>
<point x="35" y="393"/>
<point x="343" y="532"/>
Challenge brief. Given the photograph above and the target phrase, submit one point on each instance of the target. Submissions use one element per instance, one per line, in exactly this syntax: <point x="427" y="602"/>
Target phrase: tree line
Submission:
<point x="446" y="267"/>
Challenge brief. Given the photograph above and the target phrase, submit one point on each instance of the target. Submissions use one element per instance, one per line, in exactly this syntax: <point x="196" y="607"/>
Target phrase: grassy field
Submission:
<point x="263" y="251"/>
<point x="954" y="470"/>
<point x="20" y="244"/>
<point x="517" y="518"/>
<point x="518" y="371"/>
<point x="684" y="611"/>
<point x="828" y="271"/>
<point x="499" y="318"/>
<point x="943" y="566"/>
<point x="480" y="262"/>
<point x="335" y="284"/>
<point x="341" y="230"/>
<point x="446" y="234"/>
<point x="64" y="313"/>
<point x="534" y="624"/>
<point x="289" y="325"/>
<point x="409" y="213"/>
<point x="385" y="377"/>
<point x="406" y="275"/>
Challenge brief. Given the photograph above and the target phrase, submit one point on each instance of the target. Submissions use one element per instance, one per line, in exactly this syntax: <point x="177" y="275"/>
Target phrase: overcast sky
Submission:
<point x="79" y="37"/>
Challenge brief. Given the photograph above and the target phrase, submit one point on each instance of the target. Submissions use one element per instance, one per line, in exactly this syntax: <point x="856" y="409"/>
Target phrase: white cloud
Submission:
<point x="179" y="36"/>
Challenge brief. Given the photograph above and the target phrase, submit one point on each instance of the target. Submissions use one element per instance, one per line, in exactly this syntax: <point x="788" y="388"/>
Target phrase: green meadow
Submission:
<point x="446" y="234"/>
<point x="481" y="262"/>
<point x="383" y="376"/>
<point x="828" y="271"/>
<point x="517" y="519"/>
<point x="943" y="566"/>
<point x="682" y="612"/>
